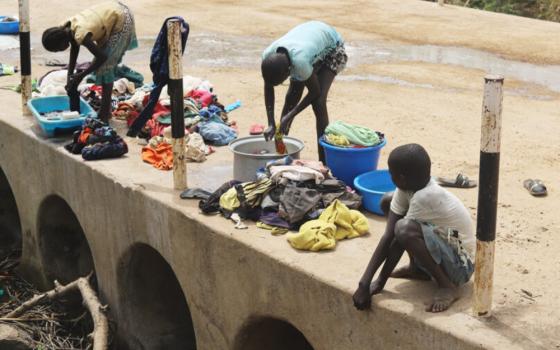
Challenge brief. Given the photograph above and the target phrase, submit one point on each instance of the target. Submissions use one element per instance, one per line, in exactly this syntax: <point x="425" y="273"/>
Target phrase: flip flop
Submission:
<point x="461" y="181"/>
<point x="535" y="187"/>
<point x="256" y="129"/>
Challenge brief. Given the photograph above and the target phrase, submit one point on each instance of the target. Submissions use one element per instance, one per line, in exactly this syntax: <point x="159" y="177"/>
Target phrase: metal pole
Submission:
<point x="25" y="54"/>
<point x="177" y="114"/>
<point x="488" y="194"/>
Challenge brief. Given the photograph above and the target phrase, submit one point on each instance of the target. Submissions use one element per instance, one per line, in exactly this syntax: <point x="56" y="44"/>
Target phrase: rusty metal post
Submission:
<point x="488" y="194"/>
<point x="177" y="104"/>
<point x="24" y="55"/>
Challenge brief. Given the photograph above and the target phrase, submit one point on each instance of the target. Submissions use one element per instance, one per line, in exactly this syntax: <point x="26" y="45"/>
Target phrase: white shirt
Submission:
<point x="435" y="205"/>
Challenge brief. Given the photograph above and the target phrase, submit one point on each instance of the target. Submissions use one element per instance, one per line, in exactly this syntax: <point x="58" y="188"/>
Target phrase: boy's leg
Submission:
<point x="106" y="100"/>
<point x="326" y="77"/>
<point x="409" y="234"/>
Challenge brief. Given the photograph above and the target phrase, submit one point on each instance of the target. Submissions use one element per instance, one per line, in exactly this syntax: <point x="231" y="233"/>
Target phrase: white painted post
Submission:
<point x="489" y="174"/>
<point x="24" y="55"/>
<point x="177" y="103"/>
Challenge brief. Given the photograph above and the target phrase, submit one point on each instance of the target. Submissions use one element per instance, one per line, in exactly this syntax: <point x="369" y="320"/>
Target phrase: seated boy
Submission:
<point x="430" y="224"/>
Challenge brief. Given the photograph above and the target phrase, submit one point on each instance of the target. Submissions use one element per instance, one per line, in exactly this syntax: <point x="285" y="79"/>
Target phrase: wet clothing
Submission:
<point x="309" y="44"/>
<point x="96" y="141"/>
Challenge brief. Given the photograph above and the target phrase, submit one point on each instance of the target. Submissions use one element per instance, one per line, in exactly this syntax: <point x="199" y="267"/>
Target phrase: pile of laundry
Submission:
<point x="203" y="113"/>
<point x="96" y="140"/>
<point x="343" y="134"/>
<point x="291" y="195"/>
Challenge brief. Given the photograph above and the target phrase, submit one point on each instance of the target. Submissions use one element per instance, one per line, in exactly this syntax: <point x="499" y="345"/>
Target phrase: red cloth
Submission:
<point x="203" y="96"/>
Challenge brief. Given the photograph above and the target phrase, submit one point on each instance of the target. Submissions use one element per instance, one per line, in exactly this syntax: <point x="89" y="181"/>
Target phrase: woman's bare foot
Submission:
<point x="443" y="298"/>
<point x="410" y="272"/>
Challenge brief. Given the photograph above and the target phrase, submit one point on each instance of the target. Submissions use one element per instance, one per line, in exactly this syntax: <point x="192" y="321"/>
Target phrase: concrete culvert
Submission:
<point x="10" y="226"/>
<point x="270" y="334"/>
<point x="156" y="312"/>
<point x="64" y="248"/>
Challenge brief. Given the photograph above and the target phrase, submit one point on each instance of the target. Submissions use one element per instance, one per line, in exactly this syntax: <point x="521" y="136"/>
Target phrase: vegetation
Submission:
<point x="542" y="9"/>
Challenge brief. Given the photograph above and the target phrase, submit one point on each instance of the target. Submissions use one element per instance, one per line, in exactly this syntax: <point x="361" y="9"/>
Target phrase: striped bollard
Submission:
<point x="24" y="55"/>
<point x="177" y="104"/>
<point x="488" y="194"/>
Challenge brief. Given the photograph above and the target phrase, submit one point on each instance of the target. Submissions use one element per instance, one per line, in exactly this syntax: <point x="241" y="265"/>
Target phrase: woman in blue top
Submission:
<point x="311" y="54"/>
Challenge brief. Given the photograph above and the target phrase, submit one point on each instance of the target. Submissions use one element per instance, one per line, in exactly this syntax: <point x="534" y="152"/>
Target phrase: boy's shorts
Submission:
<point x="458" y="270"/>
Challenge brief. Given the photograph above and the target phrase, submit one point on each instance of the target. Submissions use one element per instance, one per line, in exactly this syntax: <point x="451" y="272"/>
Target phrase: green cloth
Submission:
<point x="122" y="71"/>
<point x="357" y="135"/>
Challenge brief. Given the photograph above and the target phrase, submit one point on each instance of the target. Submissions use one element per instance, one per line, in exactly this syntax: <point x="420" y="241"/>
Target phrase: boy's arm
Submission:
<point x="74" y="51"/>
<point x="269" y="105"/>
<point x="313" y="92"/>
<point x="99" y="58"/>
<point x="362" y="296"/>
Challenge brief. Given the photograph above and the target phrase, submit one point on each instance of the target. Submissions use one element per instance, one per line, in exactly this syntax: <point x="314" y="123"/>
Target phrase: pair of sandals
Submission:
<point x="535" y="186"/>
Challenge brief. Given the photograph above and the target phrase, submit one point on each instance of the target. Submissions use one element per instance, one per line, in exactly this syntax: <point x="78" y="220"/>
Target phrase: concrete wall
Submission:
<point x="174" y="281"/>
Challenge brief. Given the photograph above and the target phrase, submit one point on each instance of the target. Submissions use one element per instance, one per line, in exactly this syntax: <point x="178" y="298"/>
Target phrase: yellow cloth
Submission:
<point x="335" y="223"/>
<point x="100" y="20"/>
<point x="275" y="230"/>
<point x="253" y="191"/>
<point x="339" y="140"/>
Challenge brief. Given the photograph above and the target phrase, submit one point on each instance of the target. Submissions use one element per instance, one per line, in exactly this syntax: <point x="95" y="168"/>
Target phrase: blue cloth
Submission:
<point x="159" y="61"/>
<point x="159" y="65"/>
<point x="211" y="114"/>
<point x="458" y="271"/>
<point x="216" y="133"/>
<point x="306" y="44"/>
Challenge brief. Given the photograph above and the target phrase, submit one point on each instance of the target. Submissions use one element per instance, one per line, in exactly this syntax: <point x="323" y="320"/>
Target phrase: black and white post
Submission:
<point x="25" y="54"/>
<point x="175" y="88"/>
<point x="488" y="194"/>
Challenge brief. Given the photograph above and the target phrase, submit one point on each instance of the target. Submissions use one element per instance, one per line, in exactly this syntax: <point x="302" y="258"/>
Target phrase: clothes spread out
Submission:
<point x="436" y="206"/>
<point x="96" y="141"/>
<point x="311" y="201"/>
<point x="344" y="134"/>
<point x="337" y="222"/>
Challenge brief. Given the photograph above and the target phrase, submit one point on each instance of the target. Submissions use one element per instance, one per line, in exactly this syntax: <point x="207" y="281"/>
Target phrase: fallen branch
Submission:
<point x="100" y="332"/>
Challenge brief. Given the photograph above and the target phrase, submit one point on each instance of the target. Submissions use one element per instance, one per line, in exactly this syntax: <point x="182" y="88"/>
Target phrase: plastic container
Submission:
<point x="253" y="152"/>
<point x="8" y="27"/>
<point x="347" y="162"/>
<point x="58" y="103"/>
<point x="372" y="186"/>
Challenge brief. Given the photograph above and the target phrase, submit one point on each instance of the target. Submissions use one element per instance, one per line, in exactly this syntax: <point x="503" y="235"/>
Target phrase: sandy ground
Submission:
<point x="438" y="107"/>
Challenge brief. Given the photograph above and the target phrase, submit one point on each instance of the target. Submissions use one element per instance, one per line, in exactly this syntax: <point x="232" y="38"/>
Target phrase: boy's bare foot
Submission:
<point x="410" y="272"/>
<point x="443" y="298"/>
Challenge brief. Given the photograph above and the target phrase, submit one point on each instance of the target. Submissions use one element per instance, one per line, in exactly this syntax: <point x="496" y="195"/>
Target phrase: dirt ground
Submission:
<point x="434" y="104"/>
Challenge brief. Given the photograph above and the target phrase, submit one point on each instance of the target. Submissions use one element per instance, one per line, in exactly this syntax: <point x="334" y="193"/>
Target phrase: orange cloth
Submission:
<point x="160" y="157"/>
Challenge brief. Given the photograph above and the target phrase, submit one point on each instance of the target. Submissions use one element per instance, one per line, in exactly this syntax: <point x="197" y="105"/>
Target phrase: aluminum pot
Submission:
<point x="253" y="152"/>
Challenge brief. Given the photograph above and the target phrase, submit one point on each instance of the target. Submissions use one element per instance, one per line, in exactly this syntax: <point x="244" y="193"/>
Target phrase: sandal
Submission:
<point x="256" y="129"/>
<point x="535" y="187"/>
<point x="461" y="181"/>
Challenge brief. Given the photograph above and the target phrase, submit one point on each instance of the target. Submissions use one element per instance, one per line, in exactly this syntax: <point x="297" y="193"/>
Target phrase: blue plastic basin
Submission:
<point x="347" y="162"/>
<point x="8" y="27"/>
<point x="372" y="186"/>
<point x="58" y="103"/>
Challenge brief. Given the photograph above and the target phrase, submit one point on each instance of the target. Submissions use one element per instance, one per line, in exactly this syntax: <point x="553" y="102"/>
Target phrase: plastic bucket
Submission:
<point x="9" y="27"/>
<point x="347" y="162"/>
<point x="372" y="186"/>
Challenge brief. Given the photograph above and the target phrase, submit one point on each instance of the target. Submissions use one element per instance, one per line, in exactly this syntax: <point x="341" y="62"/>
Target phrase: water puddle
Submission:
<point x="371" y="53"/>
<point x="225" y="50"/>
